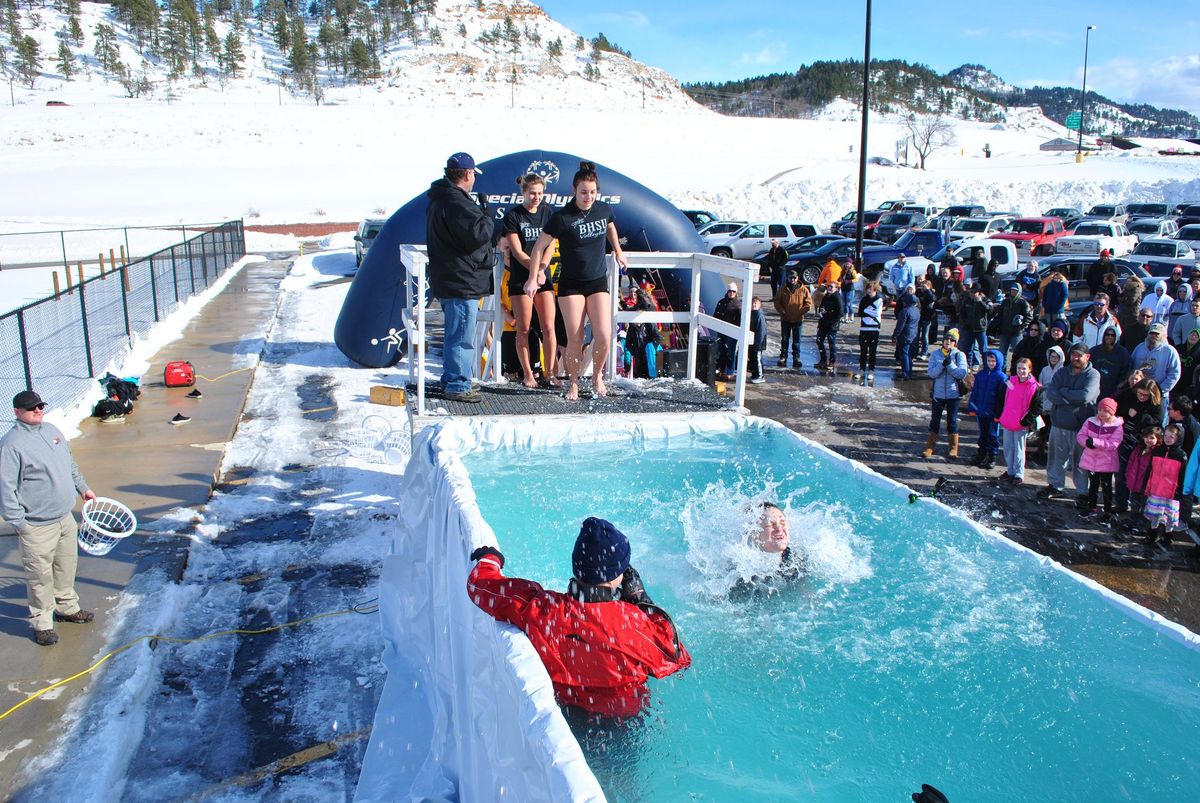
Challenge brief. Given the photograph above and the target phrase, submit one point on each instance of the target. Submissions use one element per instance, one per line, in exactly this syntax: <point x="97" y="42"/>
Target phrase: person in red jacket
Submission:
<point x="602" y="639"/>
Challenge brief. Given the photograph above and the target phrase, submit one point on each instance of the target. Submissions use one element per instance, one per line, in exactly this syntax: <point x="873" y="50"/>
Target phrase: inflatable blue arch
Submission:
<point x="645" y="222"/>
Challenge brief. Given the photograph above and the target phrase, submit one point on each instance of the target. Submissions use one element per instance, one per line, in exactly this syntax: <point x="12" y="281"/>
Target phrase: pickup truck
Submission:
<point x="1163" y="249"/>
<point x="913" y="243"/>
<point x="1093" y="236"/>
<point x="1034" y="236"/>
<point x="974" y="228"/>
<point x="1003" y="251"/>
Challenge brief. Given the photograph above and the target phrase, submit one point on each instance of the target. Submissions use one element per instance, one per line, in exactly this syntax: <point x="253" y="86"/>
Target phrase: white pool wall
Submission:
<point x="468" y="710"/>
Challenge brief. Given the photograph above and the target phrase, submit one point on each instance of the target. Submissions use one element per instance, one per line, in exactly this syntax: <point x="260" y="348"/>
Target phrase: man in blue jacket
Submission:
<point x="458" y="233"/>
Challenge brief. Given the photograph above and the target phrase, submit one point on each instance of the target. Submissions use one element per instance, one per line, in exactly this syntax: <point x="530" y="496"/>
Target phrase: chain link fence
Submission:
<point x="59" y="344"/>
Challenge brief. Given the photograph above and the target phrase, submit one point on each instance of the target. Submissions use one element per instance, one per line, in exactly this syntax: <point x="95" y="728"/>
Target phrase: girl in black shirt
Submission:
<point x="523" y="225"/>
<point x="581" y="228"/>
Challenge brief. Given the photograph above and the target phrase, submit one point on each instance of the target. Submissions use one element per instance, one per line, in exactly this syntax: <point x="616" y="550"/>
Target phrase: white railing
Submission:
<point x="491" y="317"/>
<point x="694" y="316"/>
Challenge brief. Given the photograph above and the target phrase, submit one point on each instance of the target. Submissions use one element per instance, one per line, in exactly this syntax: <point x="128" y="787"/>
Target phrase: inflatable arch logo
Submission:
<point x="366" y="329"/>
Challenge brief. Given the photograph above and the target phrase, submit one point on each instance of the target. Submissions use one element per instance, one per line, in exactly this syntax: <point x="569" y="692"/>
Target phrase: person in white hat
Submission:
<point x="728" y="309"/>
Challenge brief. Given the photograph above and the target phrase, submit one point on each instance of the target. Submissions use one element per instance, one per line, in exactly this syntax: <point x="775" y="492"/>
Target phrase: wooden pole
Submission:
<point x="112" y="259"/>
<point x="123" y="260"/>
<point x="67" y="273"/>
<point x="101" y="255"/>
<point x="81" y="271"/>
<point x="124" y="278"/>
<point x="56" y="287"/>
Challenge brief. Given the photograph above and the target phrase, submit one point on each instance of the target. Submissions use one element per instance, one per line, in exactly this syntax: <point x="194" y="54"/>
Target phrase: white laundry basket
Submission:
<point x="105" y="522"/>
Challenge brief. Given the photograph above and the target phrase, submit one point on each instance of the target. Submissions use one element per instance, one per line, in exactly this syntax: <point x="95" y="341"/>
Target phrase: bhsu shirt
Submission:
<point x="528" y="227"/>
<point x="598" y="654"/>
<point x="581" y="238"/>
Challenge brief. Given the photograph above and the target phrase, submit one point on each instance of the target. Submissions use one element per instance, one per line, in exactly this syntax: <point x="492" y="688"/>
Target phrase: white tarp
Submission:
<point x="468" y="711"/>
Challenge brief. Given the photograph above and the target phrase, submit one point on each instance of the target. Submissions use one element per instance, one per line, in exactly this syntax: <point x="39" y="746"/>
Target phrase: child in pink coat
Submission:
<point x="1100" y="436"/>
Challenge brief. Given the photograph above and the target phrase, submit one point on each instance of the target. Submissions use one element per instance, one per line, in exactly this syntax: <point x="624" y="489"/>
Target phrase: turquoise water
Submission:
<point x="916" y="650"/>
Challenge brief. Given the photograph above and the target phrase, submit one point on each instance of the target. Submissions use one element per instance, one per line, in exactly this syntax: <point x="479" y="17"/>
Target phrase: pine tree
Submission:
<point x="12" y="21"/>
<point x="299" y="57"/>
<point x="212" y="42"/>
<point x="554" y="47"/>
<point x="65" y="60"/>
<point x="105" y="48"/>
<point x="74" y="30"/>
<point x="360" y="59"/>
<point x="29" y="60"/>
<point x="232" y="57"/>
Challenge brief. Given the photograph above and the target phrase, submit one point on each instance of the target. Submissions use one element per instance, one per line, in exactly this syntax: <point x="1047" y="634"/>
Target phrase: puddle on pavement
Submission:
<point x="316" y="397"/>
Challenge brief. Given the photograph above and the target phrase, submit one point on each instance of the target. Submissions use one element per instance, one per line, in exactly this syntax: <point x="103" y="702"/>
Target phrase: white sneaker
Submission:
<point x="758" y="380"/>
<point x="871" y="377"/>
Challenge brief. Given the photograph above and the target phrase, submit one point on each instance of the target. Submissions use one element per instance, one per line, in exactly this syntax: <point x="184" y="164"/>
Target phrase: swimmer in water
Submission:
<point x="772" y="537"/>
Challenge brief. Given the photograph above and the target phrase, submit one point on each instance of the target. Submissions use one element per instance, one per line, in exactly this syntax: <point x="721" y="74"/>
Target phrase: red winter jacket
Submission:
<point x="598" y="654"/>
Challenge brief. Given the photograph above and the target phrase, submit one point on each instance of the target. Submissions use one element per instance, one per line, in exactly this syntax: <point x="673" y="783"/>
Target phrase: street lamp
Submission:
<point x="1083" y="95"/>
<point x="862" y="147"/>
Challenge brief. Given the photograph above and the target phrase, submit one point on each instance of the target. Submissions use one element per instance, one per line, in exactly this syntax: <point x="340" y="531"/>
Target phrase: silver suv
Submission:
<point x="367" y="231"/>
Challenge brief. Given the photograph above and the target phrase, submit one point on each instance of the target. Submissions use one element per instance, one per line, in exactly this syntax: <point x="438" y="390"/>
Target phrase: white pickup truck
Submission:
<point x="1003" y="251"/>
<point x="1093" y="236"/>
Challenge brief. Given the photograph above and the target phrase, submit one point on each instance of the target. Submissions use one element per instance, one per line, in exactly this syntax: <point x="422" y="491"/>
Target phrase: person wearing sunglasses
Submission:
<point x="38" y="483"/>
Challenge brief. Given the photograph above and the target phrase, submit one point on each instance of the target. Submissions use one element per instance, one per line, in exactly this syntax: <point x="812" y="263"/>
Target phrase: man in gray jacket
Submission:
<point x="38" y="483"/>
<point x="1074" y="392"/>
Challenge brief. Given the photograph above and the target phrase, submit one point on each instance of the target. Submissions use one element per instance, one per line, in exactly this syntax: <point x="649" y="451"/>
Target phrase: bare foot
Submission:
<point x="554" y="382"/>
<point x="530" y="382"/>
<point x="572" y="393"/>
<point x="600" y="387"/>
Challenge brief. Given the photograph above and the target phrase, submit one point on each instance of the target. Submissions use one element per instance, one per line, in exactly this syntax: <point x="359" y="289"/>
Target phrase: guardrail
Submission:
<point x="59" y="344"/>
<point x="416" y="262"/>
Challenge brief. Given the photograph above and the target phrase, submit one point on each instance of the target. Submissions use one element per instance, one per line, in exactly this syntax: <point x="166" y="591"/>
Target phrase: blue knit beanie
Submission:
<point x="601" y="552"/>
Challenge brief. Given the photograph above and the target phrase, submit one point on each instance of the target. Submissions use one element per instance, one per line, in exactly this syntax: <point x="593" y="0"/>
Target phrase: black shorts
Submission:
<point x="568" y="287"/>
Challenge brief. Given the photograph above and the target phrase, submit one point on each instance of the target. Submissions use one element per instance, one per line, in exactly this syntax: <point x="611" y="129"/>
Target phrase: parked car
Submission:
<point x="699" y="217"/>
<point x="1136" y="211"/>
<point x="882" y="161"/>
<point x="1003" y="251"/>
<point x="1171" y="252"/>
<point x="888" y="206"/>
<point x="1094" y="236"/>
<point x="1033" y="236"/>
<point x="1076" y="269"/>
<point x="365" y="237"/>
<point x="802" y="246"/>
<point x="971" y="227"/>
<point x="720" y="227"/>
<point x="912" y="243"/>
<point x="870" y="221"/>
<point x="1113" y="212"/>
<point x="1069" y="215"/>
<point x="754" y="237"/>
<point x="1189" y="215"/>
<point x="846" y="218"/>
<point x="962" y="210"/>
<point x="927" y="211"/>
<point x="893" y="224"/>
<point x="1191" y="236"/>
<point x="810" y="263"/>
<point x="1147" y="228"/>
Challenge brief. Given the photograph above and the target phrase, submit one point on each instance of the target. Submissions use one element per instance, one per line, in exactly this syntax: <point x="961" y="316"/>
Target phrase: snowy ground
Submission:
<point x="301" y="536"/>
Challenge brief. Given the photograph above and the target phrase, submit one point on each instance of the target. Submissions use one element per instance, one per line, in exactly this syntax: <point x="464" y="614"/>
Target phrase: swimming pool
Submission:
<point x="918" y="649"/>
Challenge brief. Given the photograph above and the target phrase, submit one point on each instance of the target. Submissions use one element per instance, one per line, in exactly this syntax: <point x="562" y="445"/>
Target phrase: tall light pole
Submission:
<point x="1083" y="96"/>
<point x="862" y="148"/>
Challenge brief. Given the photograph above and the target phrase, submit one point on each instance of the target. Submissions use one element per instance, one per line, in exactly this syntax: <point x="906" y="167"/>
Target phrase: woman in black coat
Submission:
<point x="1030" y="347"/>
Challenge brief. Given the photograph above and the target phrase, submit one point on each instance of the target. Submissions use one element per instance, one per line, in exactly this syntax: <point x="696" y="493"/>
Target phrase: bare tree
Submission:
<point x="928" y="134"/>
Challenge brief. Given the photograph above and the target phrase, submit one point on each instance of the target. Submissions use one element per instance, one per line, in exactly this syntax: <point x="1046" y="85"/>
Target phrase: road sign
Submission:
<point x="1074" y="120"/>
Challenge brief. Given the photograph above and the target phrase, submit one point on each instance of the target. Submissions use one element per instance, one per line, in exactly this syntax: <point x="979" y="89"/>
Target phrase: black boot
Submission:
<point x="978" y="459"/>
<point x="989" y="461"/>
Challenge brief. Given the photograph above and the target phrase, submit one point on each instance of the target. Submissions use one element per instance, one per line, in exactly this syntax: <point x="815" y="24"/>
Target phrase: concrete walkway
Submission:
<point x="151" y="466"/>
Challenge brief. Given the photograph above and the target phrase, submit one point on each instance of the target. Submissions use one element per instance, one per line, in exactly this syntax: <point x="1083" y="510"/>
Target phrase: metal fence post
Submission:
<point x="204" y="256"/>
<point x="174" y="275"/>
<point x="128" y="251"/>
<point x="153" y="287"/>
<point x="24" y="348"/>
<point x="125" y="302"/>
<point x="62" y="238"/>
<point x="87" y="339"/>
<point x="187" y="244"/>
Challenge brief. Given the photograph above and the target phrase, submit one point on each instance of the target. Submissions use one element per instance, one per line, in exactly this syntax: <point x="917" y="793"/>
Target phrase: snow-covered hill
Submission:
<point x="498" y="54"/>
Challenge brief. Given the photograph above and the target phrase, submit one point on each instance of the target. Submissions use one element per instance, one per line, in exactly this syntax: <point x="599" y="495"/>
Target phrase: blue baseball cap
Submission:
<point x="462" y="161"/>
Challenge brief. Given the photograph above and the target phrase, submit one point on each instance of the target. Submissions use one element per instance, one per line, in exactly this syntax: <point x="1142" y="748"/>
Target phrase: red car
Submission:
<point x="1033" y="236"/>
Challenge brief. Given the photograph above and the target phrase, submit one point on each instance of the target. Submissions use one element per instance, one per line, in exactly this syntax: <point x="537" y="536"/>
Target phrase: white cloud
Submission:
<point x="630" y="19"/>
<point x="1037" y="36"/>
<point x="974" y="33"/>
<point x="770" y="53"/>
<point x="1172" y="82"/>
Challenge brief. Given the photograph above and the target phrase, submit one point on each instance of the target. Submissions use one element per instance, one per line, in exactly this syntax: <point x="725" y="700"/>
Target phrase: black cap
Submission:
<point x="1081" y="347"/>
<point x="26" y="400"/>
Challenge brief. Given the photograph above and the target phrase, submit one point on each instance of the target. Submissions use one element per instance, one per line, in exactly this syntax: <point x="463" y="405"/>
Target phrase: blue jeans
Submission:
<point x="989" y="434"/>
<point x="458" y="350"/>
<point x="904" y="356"/>
<point x="950" y="406"/>
<point x="848" y="302"/>
<point x="975" y="340"/>
<point x="827" y="346"/>
<point x="1008" y="344"/>
<point x="922" y="343"/>
<point x="789" y="337"/>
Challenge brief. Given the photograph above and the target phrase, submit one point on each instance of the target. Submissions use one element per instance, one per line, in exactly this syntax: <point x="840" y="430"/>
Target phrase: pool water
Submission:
<point x="914" y="650"/>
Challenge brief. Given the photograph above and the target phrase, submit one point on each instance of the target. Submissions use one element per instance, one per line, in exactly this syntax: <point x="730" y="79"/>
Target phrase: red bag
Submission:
<point x="179" y="374"/>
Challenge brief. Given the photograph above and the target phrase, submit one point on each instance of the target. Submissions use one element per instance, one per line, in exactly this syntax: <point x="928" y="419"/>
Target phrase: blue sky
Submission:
<point x="1147" y="52"/>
